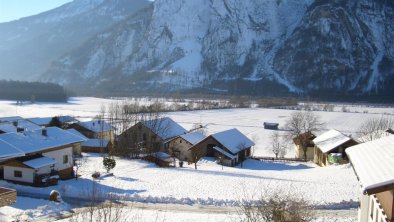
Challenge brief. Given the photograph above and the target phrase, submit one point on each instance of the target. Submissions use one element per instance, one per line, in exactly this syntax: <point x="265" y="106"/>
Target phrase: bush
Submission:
<point x="109" y="163"/>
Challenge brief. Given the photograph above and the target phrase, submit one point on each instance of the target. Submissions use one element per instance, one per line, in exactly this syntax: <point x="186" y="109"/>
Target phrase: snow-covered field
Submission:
<point x="329" y="187"/>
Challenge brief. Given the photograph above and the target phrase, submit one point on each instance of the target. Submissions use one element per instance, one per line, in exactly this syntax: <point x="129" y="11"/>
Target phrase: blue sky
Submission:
<point x="15" y="9"/>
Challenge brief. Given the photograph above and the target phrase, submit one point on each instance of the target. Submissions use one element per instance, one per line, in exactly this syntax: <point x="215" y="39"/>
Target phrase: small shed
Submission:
<point x="271" y="125"/>
<point x="160" y="158"/>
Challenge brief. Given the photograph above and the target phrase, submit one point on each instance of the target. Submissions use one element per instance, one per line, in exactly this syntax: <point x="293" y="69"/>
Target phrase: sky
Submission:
<point x="16" y="9"/>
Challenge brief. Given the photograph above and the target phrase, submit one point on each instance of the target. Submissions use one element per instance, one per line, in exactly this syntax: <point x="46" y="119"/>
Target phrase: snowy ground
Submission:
<point x="327" y="188"/>
<point x="135" y="180"/>
<point x="28" y="209"/>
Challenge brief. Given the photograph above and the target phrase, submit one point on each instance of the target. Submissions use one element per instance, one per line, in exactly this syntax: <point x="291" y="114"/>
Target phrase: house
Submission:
<point x="160" y="158"/>
<point x="17" y="125"/>
<point x="96" y="146"/>
<point x="307" y="139"/>
<point x="152" y="135"/>
<point x="272" y="126"/>
<point x="77" y="149"/>
<point x="229" y="147"/>
<point x="45" y="156"/>
<point x="180" y="145"/>
<point x="373" y="165"/>
<point x="7" y="196"/>
<point x="330" y="148"/>
<point x="95" y="129"/>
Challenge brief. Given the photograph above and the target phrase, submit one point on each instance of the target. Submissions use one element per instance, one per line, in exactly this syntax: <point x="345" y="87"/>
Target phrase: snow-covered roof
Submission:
<point x="44" y="121"/>
<point x="193" y="137"/>
<point x="163" y="156"/>
<point x="27" y="125"/>
<point x="77" y="133"/>
<point x="373" y="163"/>
<point x="224" y="152"/>
<point x="95" y="143"/>
<point x="165" y="128"/>
<point x="7" y="127"/>
<point x="34" y="141"/>
<point x="41" y="121"/>
<point x="10" y="118"/>
<point x="67" y="119"/>
<point x="330" y="140"/>
<point x="97" y="126"/>
<point x="40" y="162"/>
<point x="233" y="140"/>
<point x="9" y="151"/>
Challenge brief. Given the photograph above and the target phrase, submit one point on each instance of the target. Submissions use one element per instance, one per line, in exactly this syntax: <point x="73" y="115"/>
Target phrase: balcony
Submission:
<point x="7" y="196"/>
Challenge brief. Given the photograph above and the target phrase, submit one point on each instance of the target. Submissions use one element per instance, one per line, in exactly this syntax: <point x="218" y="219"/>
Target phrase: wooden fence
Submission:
<point x="281" y="159"/>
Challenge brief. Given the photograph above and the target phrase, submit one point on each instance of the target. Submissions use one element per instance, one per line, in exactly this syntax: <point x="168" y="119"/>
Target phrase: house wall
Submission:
<point x="363" y="209"/>
<point x="386" y="200"/>
<point x="299" y="152"/>
<point x="27" y="174"/>
<point x="376" y="211"/>
<point x="181" y="145"/>
<point x="135" y="135"/>
<point x="58" y="156"/>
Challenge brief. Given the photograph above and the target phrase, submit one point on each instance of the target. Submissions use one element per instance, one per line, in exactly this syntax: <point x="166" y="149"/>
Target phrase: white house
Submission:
<point x="46" y="152"/>
<point x="373" y="164"/>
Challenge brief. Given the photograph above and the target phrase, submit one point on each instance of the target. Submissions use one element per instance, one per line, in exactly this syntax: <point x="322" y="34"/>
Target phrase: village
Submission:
<point x="213" y="157"/>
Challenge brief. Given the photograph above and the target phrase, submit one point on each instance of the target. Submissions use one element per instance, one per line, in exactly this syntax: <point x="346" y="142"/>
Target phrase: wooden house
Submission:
<point x="180" y="146"/>
<point x="373" y="164"/>
<point x="95" y="129"/>
<point x="229" y="147"/>
<point x="47" y="156"/>
<point x="330" y="148"/>
<point x="151" y="135"/>
<point x="96" y="146"/>
<point x="307" y="139"/>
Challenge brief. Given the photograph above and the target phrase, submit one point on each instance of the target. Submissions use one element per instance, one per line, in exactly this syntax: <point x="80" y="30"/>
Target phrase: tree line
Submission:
<point x="32" y="91"/>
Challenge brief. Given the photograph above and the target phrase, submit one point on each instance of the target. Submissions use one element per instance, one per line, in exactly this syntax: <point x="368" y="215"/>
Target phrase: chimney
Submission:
<point x="44" y="132"/>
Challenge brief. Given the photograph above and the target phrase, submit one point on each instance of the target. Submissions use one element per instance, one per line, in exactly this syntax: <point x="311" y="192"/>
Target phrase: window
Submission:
<point x="180" y="141"/>
<point x="144" y="137"/>
<point x="17" y="173"/>
<point x="65" y="159"/>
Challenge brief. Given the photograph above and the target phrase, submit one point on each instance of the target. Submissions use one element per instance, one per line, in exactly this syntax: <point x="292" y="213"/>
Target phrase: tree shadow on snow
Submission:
<point x="271" y="165"/>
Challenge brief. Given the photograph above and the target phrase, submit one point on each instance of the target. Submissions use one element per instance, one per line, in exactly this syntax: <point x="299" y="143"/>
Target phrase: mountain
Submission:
<point x="323" y="48"/>
<point x="29" y="45"/>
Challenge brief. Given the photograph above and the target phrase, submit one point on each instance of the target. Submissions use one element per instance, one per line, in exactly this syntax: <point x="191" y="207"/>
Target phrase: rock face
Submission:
<point x="29" y="45"/>
<point x="317" y="47"/>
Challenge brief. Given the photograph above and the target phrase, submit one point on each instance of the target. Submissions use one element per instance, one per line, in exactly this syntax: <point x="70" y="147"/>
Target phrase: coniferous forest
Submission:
<point x="32" y="91"/>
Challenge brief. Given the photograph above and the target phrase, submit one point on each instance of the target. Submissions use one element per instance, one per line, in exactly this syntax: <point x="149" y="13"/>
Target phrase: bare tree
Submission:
<point x="279" y="147"/>
<point x="277" y="207"/>
<point x="301" y="123"/>
<point x="196" y="155"/>
<point x="375" y="128"/>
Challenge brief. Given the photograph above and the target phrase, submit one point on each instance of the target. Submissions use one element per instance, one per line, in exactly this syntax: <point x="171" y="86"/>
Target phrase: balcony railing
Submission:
<point x="7" y="196"/>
